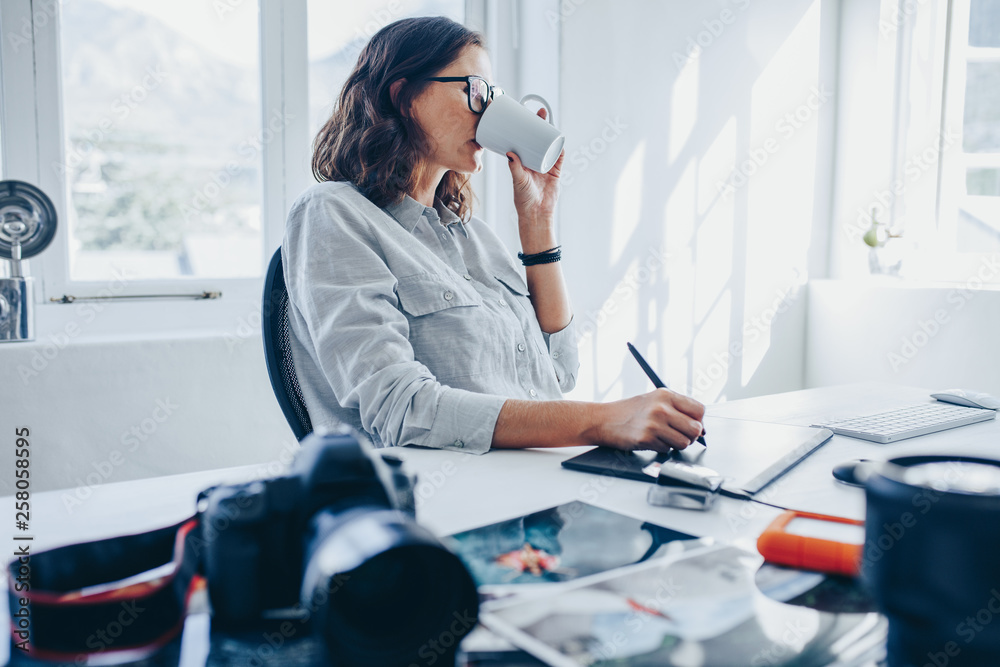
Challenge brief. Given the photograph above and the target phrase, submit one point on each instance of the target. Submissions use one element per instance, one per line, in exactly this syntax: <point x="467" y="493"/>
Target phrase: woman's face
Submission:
<point x="442" y="112"/>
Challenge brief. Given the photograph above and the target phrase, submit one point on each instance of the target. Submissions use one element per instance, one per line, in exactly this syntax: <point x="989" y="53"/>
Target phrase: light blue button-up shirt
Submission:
<point x="411" y="325"/>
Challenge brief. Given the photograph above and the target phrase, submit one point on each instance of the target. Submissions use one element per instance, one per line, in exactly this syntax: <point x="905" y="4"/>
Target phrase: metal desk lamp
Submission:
<point x="27" y="227"/>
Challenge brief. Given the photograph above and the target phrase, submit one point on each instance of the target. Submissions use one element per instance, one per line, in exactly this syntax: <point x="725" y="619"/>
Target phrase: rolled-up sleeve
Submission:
<point x="565" y="356"/>
<point x="345" y="295"/>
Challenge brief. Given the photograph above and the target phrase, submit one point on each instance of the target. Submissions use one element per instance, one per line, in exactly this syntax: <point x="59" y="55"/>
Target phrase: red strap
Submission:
<point x="102" y="597"/>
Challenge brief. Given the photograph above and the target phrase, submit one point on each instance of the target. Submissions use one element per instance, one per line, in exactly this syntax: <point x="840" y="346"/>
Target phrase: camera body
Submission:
<point x="335" y="541"/>
<point x="254" y="532"/>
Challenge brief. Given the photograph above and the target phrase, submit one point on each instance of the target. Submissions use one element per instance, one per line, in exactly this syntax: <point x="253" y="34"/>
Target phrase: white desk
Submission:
<point x="505" y="484"/>
<point x="460" y="491"/>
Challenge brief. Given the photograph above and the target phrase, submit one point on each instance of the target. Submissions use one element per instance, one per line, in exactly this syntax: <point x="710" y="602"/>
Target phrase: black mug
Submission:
<point x="932" y="558"/>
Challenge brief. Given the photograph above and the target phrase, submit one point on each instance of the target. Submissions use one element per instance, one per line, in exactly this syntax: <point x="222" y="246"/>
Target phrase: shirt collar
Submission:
<point x="449" y="217"/>
<point x="408" y="212"/>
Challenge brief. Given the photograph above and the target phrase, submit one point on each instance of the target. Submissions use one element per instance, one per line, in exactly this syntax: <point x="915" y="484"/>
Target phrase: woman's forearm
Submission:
<point x="659" y="420"/>
<point x="549" y="296"/>
<point x="546" y="286"/>
<point x="546" y="424"/>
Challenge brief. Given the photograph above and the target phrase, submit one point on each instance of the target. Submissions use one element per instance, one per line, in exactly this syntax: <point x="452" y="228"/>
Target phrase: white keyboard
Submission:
<point x="908" y="422"/>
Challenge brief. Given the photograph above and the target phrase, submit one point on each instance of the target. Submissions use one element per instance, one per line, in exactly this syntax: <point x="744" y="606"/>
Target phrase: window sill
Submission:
<point x="903" y="283"/>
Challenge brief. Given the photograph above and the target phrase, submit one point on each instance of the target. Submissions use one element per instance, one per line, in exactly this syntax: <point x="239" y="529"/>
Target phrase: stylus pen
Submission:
<point x="651" y="374"/>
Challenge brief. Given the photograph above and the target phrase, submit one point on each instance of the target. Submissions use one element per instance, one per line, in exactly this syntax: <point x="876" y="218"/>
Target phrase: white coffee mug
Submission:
<point x="507" y="125"/>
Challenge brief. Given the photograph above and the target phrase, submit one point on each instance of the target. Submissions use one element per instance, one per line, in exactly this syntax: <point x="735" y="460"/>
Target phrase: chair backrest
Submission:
<point x="277" y="349"/>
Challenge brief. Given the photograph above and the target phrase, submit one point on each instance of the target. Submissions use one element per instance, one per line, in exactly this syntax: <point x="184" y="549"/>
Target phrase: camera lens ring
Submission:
<point x="923" y="471"/>
<point x="380" y="588"/>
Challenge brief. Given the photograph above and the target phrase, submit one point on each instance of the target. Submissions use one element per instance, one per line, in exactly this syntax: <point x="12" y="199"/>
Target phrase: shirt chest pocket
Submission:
<point x="450" y="330"/>
<point x="426" y="293"/>
<point x="513" y="281"/>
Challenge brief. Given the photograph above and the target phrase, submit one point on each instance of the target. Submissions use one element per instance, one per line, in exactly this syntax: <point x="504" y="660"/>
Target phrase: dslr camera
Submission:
<point x="335" y="539"/>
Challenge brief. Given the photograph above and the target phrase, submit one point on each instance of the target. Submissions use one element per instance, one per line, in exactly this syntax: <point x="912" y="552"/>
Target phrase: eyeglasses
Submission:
<point x="480" y="92"/>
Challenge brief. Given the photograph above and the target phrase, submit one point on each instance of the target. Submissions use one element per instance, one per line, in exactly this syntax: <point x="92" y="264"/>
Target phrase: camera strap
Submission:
<point x="121" y="593"/>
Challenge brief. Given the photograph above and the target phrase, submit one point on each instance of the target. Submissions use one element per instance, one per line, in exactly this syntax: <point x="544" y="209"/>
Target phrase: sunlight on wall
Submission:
<point x="711" y="359"/>
<point x="713" y="261"/>
<point x="715" y="166"/>
<point x="628" y="202"/>
<point x="677" y="323"/>
<point x="786" y="101"/>
<point x="713" y="298"/>
<point x="621" y="308"/>
<point x="683" y="107"/>
<point x="679" y="217"/>
<point x="733" y="234"/>
<point x="619" y="318"/>
<point x="584" y="390"/>
<point x="706" y="374"/>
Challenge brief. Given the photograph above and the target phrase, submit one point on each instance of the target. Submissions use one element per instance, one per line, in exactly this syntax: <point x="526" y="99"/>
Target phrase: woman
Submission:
<point x="410" y="320"/>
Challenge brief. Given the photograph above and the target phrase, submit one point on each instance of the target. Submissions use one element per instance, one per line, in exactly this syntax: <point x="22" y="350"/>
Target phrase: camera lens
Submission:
<point x="383" y="590"/>
<point x="930" y="558"/>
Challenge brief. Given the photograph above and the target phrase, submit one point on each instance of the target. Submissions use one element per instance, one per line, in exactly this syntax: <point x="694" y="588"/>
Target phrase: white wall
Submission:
<point x="707" y="281"/>
<point x="918" y="335"/>
<point x="109" y="410"/>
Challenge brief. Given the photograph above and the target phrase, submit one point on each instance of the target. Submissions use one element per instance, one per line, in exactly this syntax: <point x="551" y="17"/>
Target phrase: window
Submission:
<point x="947" y="138"/>
<point x="972" y="180"/>
<point x="163" y="138"/>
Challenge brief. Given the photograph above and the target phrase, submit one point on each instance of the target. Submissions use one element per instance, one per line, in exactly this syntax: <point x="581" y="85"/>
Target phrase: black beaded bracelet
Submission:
<point x="544" y="257"/>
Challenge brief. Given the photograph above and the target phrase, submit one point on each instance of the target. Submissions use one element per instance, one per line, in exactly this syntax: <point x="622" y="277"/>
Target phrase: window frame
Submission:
<point x="954" y="165"/>
<point x="932" y="211"/>
<point x="33" y="71"/>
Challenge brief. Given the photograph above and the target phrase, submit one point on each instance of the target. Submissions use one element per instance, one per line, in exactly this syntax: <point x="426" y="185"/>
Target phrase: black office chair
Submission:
<point x="278" y="352"/>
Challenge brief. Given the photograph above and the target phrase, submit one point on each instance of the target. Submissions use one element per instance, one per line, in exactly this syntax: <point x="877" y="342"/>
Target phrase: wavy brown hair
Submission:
<point x="368" y="141"/>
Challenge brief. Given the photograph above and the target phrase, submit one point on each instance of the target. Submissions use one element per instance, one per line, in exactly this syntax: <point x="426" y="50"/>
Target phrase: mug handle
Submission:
<point x="540" y="100"/>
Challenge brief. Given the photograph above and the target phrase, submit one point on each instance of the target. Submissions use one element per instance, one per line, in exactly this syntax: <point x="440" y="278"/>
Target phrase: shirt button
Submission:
<point x="459" y="443"/>
<point x="503" y="304"/>
<point x="467" y="276"/>
<point x="520" y="347"/>
<point x="555" y="355"/>
<point x="532" y="393"/>
<point x="448" y="296"/>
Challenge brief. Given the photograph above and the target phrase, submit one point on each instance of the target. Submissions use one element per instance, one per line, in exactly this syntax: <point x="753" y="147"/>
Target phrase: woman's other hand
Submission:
<point x="535" y="196"/>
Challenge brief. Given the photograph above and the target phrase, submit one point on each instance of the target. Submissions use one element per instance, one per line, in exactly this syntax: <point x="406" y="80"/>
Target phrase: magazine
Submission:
<point x="700" y="607"/>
